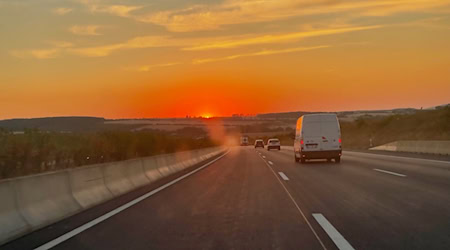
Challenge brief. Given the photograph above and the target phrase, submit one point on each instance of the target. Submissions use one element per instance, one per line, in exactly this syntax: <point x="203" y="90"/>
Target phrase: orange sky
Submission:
<point x="126" y="59"/>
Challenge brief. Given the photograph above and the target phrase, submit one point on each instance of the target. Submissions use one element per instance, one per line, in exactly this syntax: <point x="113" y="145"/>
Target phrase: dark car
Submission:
<point x="259" y="143"/>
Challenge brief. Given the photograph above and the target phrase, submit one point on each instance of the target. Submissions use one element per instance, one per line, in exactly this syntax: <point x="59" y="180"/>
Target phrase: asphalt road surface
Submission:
<point x="255" y="199"/>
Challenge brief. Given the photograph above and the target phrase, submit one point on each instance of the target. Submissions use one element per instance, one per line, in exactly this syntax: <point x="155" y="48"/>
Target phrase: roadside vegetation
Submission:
<point x="370" y="131"/>
<point x="422" y="125"/>
<point x="36" y="151"/>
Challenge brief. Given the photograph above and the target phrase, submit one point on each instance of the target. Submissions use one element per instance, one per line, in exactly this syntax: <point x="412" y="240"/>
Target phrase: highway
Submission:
<point x="259" y="199"/>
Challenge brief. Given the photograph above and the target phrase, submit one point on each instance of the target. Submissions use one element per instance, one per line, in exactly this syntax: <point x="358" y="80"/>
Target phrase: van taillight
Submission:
<point x="301" y="141"/>
<point x="340" y="141"/>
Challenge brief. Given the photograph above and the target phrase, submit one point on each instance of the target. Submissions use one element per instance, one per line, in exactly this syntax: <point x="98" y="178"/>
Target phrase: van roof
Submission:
<point x="320" y="117"/>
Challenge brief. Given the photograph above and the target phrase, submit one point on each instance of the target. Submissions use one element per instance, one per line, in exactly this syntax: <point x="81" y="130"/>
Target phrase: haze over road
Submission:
<point x="247" y="201"/>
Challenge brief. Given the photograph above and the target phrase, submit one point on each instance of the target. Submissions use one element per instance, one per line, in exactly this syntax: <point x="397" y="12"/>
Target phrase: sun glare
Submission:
<point x="206" y="116"/>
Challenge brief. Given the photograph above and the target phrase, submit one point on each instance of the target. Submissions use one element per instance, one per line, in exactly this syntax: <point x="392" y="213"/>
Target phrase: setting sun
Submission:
<point x="206" y="116"/>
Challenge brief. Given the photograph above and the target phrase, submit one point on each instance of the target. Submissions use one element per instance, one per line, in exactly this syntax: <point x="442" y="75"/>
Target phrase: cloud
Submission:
<point x="288" y="37"/>
<point x="145" y="68"/>
<point x="135" y="43"/>
<point x="62" y="11"/>
<point x="88" y="30"/>
<point x="259" y="53"/>
<point x="117" y="10"/>
<point x="195" y="44"/>
<point x="114" y="9"/>
<point x="61" y="44"/>
<point x="36" y="53"/>
<point x="212" y="17"/>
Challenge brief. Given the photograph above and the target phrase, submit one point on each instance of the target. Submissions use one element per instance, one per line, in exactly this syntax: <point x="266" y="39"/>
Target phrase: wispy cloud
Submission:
<point x="145" y="68"/>
<point x="87" y="30"/>
<point x="280" y="38"/>
<point x="259" y="53"/>
<point x="195" y="44"/>
<point x="135" y="43"/>
<point x="61" y="44"/>
<point x="210" y="17"/>
<point x="62" y="11"/>
<point x="36" y="53"/>
<point x="112" y="9"/>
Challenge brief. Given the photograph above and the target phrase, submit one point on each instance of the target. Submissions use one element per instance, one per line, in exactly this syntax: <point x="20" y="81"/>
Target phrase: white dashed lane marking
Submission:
<point x="335" y="236"/>
<point x="389" y="172"/>
<point x="283" y="176"/>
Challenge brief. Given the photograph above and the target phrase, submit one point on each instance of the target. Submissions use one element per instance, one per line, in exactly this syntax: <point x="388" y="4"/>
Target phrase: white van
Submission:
<point x="244" y="140"/>
<point x="318" y="136"/>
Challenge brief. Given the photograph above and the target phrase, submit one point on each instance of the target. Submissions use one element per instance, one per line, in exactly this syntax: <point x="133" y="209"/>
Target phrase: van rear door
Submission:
<point x="311" y="133"/>
<point x="330" y="135"/>
<point x="321" y="133"/>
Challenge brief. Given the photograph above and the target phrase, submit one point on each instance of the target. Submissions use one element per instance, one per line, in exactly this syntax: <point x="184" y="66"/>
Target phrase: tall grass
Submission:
<point x="35" y="151"/>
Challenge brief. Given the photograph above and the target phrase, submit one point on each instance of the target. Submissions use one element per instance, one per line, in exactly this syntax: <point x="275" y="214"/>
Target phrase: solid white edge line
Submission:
<point x="389" y="172"/>
<point x="106" y="216"/>
<point x="271" y="163"/>
<point x="297" y="206"/>
<point x="335" y="236"/>
<point x="283" y="176"/>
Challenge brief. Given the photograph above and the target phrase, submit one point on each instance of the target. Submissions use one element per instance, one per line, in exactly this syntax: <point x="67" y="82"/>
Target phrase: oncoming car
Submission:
<point x="273" y="143"/>
<point x="259" y="143"/>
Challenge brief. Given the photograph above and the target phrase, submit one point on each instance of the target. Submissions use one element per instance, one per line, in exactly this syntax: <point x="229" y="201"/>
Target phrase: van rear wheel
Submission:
<point x="337" y="159"/>
<point x="296" y="158"/>
<point x="302" y="160"/>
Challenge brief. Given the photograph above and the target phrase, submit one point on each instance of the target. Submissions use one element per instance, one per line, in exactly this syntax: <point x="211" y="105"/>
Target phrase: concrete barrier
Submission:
<point x="425" y="147"/>
<point x="46" y="198"/>
<point x="116" y="180"/>
<point x="164" y="165"/>
<point x="185" y="159"/>
<point x="88" y="185"/>
<point x="31" y="202"/>
<point x="11" y="221"/>
<point x="392" y="146"/>
<point x="135" y="172"/>
<point x="151" y="169"/>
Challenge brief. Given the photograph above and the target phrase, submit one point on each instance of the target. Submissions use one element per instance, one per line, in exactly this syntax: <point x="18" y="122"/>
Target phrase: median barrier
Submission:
<point x="135" y="172"/>
<point x="88" y="185"/>
<point x="116" y="178"/>
<point x="163" y="163"/>
<point x="11" y="221"/>
<point x="45" y="198"/>
<point x="151" y="169"/>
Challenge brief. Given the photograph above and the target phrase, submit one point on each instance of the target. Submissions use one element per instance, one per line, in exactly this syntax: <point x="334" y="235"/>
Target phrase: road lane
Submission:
<point x="234" y="203"/>
<point x="373" y="210"/>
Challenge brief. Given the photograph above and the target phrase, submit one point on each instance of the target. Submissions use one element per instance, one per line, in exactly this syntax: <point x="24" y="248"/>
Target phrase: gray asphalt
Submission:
<point x="241" y="202"/>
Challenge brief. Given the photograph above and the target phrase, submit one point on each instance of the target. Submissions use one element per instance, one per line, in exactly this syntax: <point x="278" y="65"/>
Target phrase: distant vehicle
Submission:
<point x="318" y="136"/>
<point x="244" y="140"/>
<point x="259" y="143"/>
<point x="273" y="143"/>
